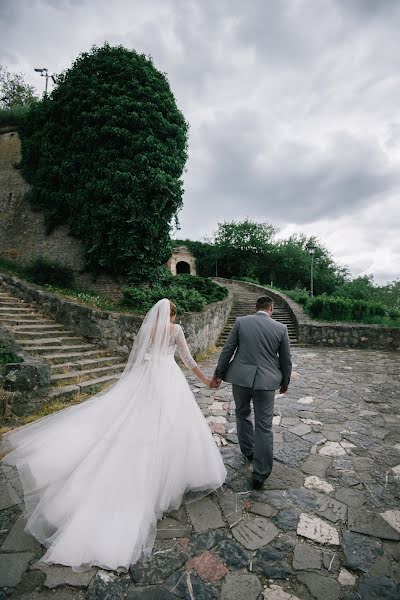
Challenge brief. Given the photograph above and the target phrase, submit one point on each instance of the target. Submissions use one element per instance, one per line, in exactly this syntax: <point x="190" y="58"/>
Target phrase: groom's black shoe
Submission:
<point x="257" y="483"/>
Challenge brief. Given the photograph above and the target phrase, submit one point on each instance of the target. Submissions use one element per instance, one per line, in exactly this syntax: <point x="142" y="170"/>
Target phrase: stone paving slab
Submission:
<point x="324" y="526"/>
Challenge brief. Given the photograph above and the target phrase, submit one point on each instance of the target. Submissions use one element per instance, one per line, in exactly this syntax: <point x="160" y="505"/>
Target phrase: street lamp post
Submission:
<point x="311" y="251"/>
<point x="44" y="72"/>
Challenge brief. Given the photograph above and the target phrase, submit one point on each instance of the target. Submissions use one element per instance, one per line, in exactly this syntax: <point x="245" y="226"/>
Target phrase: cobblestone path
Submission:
<point x="325" y="526"/>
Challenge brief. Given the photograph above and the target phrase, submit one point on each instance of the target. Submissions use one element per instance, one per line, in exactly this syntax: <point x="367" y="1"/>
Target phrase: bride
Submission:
<point x="96" y="476"/>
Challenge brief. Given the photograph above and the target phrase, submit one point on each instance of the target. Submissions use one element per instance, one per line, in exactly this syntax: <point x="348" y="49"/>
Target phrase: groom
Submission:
<point x="261" y="364"/>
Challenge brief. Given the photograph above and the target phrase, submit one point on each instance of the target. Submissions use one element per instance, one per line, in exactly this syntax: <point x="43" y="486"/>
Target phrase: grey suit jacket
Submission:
<point x="261" y="352"/>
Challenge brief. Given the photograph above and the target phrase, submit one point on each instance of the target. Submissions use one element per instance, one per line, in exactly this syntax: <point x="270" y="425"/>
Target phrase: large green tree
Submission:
<point x="105" y="153"/>
<point x="240" y="246"/>
<point x="14" y="91"/>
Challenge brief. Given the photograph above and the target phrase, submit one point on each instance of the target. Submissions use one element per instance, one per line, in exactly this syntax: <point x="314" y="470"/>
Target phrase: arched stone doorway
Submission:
<point x="182" y="261"/>
<point x="182" y="267"/>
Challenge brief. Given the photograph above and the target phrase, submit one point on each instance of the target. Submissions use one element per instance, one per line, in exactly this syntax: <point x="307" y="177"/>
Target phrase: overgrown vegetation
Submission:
<point x="15" y="93"/>
<point x="104" y="154"/>
<point x="357" y="301"/>
<point x="7" y="356"/>
<point x="13" y="116"/>
<point x="44" y="271"/>
<point x="189" y="293"/>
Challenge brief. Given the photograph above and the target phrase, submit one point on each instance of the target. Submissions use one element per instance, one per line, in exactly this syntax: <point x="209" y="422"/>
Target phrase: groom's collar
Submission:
<point x="262" y="312"/>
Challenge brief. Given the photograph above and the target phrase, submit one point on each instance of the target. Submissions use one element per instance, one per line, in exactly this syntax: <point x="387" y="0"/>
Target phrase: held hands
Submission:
<point x="215" y="383"/>
<point x="283" y="389"/>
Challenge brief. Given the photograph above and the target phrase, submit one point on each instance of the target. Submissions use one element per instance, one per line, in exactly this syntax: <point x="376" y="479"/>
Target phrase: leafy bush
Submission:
<point x="332" y="308"/>
<point x="7" y="356"/>
<point x="300" y="296"/>
<point x="43" y="270"/>
<point x="212" y="292"/>
<point x="188" y="292"/>
<point x="141" y="299"/>
<point x="13" y="267"/>
<point x="13" y="116"/>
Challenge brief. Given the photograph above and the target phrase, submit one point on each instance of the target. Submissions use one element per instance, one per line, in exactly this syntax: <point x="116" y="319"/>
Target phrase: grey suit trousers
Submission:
<point x="259" y="440"/>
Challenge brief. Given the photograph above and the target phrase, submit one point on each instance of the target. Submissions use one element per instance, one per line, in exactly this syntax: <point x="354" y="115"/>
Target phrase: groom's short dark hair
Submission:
<point x="264" y="302"/>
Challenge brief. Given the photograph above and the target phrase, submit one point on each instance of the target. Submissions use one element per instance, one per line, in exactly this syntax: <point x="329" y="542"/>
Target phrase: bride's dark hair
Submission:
<point x="172" y="309"/>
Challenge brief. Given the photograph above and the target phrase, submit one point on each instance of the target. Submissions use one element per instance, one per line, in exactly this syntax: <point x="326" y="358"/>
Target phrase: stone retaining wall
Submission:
<point x="28" y="380"/>
<point x="117" y="330"/>
<point x="320" y="333"/>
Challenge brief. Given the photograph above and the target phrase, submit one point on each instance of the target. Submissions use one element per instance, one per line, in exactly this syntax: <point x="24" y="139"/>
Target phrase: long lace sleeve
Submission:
<point x="183" y="349"/>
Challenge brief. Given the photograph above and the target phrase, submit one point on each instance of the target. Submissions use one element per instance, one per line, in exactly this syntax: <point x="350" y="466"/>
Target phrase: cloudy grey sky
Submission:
<point x="293" y="106"/>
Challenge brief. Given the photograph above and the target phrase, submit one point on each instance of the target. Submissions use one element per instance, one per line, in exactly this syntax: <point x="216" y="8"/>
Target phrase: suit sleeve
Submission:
<point x="285" y="359"/>
<point x="227" y="352"/>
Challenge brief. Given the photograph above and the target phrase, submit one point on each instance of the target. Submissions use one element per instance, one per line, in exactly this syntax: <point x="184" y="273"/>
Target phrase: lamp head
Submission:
<point x="311" y="248"/>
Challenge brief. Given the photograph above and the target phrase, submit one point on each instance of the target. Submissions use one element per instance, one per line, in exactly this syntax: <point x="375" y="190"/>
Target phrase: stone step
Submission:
<point x="69" y="390"/>
<point x="25" y="321"/>
<point x="33" y="328"/>
<point x="86" y="385"/>
<point x="24" y="335"/>
<point x="86" y="374"/>
<point x="85" y="364"/>
<point x="57" y="357"/>
<point x="59" y="341"/>
<point x="41" y="349"/>
<point x="244" y="304"/>
<point x="7" y="310"/>
<point x="63" y="391"/>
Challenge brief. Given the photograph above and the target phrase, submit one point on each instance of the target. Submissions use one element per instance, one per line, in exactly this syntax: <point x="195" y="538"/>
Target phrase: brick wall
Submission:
<point x="22" y="232"/>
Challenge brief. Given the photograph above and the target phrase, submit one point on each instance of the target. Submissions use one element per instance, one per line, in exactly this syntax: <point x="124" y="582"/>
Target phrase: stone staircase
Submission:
<point x="244" y="302"/>
<point x="77" y="366"/>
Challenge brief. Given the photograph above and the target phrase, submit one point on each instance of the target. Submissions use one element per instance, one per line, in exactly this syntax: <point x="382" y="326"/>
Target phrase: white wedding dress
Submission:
<point x="96" y="476"/>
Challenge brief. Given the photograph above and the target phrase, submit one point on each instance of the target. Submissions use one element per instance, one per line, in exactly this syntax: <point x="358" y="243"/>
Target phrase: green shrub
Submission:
<point x="210" y="290"/>
<point x="13" y="116"/>
<point x="394" y="314"/>
<point x="300" y="296"/>
<point x="142" y="299"/>
<point x="331" y="308"/>
<point x="7" y="356"/>
<point x="12" y="267"/>
<point x="43" y="270"/>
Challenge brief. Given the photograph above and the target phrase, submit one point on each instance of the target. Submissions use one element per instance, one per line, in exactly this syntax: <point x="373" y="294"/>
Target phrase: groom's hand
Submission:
<point x="283" y="389"/>
<point x="215" y="383"/>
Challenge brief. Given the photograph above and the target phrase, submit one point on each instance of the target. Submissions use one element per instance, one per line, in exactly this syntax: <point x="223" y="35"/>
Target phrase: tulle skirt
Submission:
<point x="96" y="476"/>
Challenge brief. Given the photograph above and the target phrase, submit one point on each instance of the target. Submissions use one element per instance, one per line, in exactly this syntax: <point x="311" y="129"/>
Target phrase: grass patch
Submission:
<point x="201" y="356"/>
<point x="85" y="297"/>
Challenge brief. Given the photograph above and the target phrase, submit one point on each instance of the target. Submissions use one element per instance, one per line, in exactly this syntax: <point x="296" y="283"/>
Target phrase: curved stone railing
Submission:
<point x="333" y="334"/>
<point x="117" y="330"/>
